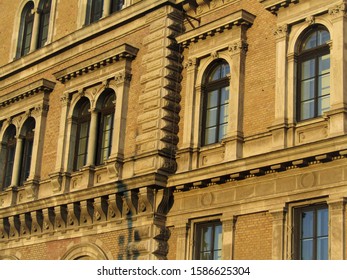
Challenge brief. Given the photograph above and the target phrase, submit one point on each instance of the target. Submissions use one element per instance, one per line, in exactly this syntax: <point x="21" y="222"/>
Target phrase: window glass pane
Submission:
<point x="323" y="37"/>
<point x="323" y="104"/>
<point x="211" y="117"/>
<point x="322" y="222"/>
<point x="324" y="64"/>
<point x="218" y="237"/>
<point x="308" y="69"/>
<point x="307" y="110"/>
<point x="307" y="224"/>
<point x="210" y="135"/>
<point x="222" y="132"/>
<point x="322" y="248"/>
<point x="223" y="114"/>
<point x="212" y="99"/>
<point x="117" y="5"/>
<point x="217" y="255"/>
<point x="324" y="85"/>
<point x="224" y="95"/>
<point x="310" y="42"/>
<point x="307" y="249"/>
<point x="307" y="89"/>
<point x="206" y="238"/>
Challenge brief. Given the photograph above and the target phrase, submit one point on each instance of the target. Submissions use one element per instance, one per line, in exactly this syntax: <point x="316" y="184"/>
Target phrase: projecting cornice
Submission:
<point x="124" y="51"/>
<point x="274" y="5"/>
<point x="42" y="85"/>
<point x="238" y="18"/>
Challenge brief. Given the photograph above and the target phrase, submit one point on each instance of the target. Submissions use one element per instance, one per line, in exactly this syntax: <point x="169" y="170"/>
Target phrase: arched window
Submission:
<point x="313" y="73"/>
<point x="45" y="7"/>
<point x="82" y="133"/>
<point x="116" y="5"/>
<point x="26" y="30"/>
<point x="215" y="103"/>
<point x="8" y="153"/>
<point x="105" y="129"/>
<point x="94" y="11"/>
<point x="27" y="149"/>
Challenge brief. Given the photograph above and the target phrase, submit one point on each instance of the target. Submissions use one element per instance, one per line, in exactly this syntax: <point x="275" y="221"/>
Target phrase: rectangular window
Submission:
<point x="208" y="241"/>
<point x="311" y="232"/>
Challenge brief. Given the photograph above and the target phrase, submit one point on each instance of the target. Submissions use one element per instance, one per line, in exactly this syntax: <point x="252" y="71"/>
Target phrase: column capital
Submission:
<point x="281" y="32"/>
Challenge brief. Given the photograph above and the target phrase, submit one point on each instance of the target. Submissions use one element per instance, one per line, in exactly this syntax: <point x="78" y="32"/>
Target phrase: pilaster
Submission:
<point x="337" y="241"/>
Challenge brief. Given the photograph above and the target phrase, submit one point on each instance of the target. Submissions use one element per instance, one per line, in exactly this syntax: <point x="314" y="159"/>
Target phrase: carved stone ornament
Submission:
<point x="281" y="31"/>
<point x="121" y="77"/>
<point x="338" y="10"/>
<point x="310" y="20"/>
<point x="237" y="47"/>
<point x="191" y="63"/>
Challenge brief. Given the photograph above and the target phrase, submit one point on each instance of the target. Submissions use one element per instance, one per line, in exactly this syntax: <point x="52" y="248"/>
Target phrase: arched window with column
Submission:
<point x="8" y="151"/>
<point x="105" y="126"/>
<point x="82" y="118"/>
<point x="215" y="102"/>
<point x="27" y="149"/>
<point x="313" y="94"/>
<point x="45" y="12"/>
<point x="25" y="30"/>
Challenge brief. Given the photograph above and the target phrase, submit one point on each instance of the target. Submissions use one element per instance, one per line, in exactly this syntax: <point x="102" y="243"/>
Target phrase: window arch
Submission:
<point x="82" y="115"/>
<point x="8" y="151"/>
<point x="27" y="149"/>
<point x="215" y="102"/>
<point x="45" y="12"/>
<point x="313" y="97"/>
<point x="105" y="127"/>
<point x="25" y="30"/>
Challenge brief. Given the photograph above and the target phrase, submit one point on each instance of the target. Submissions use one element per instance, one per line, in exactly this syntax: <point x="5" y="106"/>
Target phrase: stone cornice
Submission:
<point x="238" y="18"/>
<point x="24" y="92"/>
<point x="124" y="51"/>
<point x="274" y="5"/>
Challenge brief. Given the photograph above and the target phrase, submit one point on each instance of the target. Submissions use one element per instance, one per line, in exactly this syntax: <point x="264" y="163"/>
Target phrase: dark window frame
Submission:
<point x="94" y="11"/>
<point x="303" y="56"/>
<point x="116" y="5"/>
<point x="80" y="121"/>
<point x="105" y="112"/>
<point x="298" y="229"/>
<point x="27" y="26"/>
<point x="11" y="143"/>
<point x="208" y="87"/>
<point x="44" y="23"/>
<point x="198" y="227"/>
<point x="28" y="141"/>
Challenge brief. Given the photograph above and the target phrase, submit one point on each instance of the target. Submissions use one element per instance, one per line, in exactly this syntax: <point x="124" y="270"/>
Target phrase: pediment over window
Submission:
<point x="274" y="5"/>
<point x="124" y="51"/>
<point x="238" y="18"/>
<point x="42" y="85"/>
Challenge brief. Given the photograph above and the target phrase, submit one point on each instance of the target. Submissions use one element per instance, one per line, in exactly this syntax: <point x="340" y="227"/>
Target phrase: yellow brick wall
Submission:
<point x="253" y="237"/>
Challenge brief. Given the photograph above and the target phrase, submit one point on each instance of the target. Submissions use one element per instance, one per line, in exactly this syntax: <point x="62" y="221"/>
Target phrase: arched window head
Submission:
<point x="7" y="155"/>
<point x="313" y="73"/>
<point x="105" y="129"/>
<point x="27" y="149"/>
<point x="94" y="11"/>
<point x="215" y="102"/>
<point x="26" y="30"/>
<point x="116" y="5"/>
<point x="45" y="11"/>
<point x="82" y="113"/>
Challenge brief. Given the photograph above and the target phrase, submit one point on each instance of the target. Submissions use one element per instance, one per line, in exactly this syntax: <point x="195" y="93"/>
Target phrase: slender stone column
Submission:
<point x="337" y="229"/>
<point x="228" y="238"/>
<point x="181" y="242"/>
<point x="17" y="162"/>
<point x="35" y="34"/>
<point x="278" y="234"/>
<point x="107" y="8"/>
<point x="92" y="138"/>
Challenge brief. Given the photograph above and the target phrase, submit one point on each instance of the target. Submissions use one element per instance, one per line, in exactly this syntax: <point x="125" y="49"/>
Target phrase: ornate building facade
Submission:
<point x="173" y="129"/>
